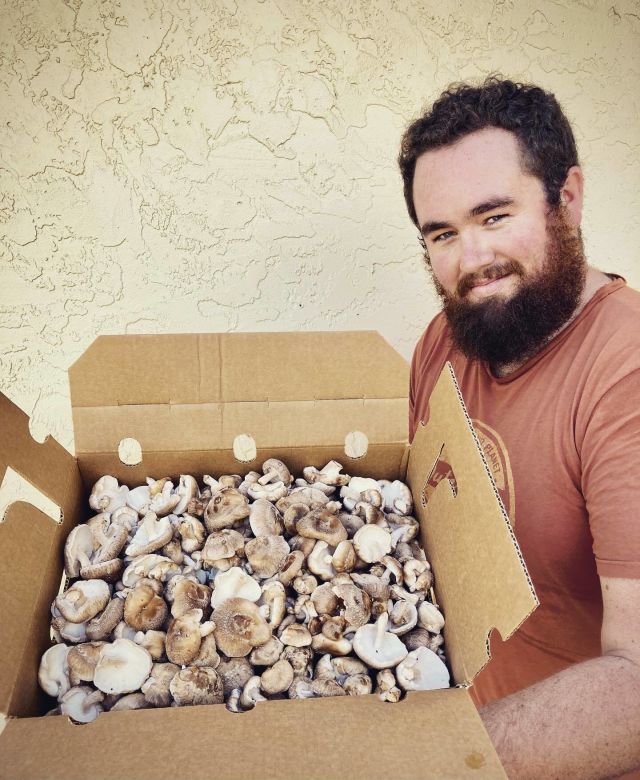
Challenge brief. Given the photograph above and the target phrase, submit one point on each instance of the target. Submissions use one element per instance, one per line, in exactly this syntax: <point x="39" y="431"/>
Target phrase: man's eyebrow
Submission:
<point x="490" y="205"/>
<point x="476" y="211"/>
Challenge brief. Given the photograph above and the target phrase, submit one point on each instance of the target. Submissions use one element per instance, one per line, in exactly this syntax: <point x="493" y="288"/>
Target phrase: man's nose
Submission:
<point x="475" y="252"/>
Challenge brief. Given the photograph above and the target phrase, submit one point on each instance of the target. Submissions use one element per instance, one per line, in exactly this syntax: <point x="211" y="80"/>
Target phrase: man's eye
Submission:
<point x="442" y="236"/>
<point x="495" y="218"/>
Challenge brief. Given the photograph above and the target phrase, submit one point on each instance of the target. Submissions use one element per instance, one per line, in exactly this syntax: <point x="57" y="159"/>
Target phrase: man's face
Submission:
<point x="509" y="270"/>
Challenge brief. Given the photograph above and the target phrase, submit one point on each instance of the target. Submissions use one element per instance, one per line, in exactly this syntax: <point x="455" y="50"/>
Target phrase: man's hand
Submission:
<point x="584" y="722"/>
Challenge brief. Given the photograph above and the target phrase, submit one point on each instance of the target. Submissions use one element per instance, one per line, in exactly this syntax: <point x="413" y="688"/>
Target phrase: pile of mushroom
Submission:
<point x="248" y="589"/>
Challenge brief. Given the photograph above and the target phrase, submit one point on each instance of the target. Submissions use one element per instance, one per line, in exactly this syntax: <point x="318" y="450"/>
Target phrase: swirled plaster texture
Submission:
<point x="201" y="165"/>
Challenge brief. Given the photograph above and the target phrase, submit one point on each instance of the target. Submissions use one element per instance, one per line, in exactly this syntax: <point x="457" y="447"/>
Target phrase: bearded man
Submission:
<point x="546" y="350"/>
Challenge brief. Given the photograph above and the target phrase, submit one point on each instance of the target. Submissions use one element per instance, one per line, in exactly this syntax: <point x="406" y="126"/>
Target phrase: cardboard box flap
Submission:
<point x="30" y="552"/>
<point x="433" y="734"/>
<point x="198" y="391"/>
<point x="481" y="580"/>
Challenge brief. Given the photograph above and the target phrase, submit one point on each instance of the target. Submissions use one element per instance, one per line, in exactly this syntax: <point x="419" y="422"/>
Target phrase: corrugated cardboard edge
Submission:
<point x="29" y="536"/>
<point x="476" y="596"/>
<point x="430" y="734"/>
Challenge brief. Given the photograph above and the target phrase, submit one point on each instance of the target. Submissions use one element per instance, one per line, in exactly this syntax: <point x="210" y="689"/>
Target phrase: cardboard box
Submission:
<point x="185" y="398"/>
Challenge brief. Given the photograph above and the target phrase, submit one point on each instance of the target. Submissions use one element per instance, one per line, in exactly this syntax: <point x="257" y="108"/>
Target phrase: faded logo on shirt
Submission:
<point x="497" y="458"/>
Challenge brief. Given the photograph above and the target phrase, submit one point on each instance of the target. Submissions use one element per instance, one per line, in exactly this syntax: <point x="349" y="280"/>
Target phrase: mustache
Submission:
<point x="496" y="271"/>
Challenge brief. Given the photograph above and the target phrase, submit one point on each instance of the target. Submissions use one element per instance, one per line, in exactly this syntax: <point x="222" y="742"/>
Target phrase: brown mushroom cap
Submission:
<point x="265" y="519"/>
<point x="197" y="685"/>
<point x="274" y="470"/>
<point x="268" y="653"/>
<point x="208" y="653"/>
<point x="291" y="567"/>
<point x="239" y="627"/>
<point x="190" y="595"/>
<point x="324" y="525"/>
<point x="144" y="609"/>
<point x="266" y="555"/>
<point x="235" y="673"/>
<point x="277" y="678"/>
<point x="109" y="571"/>
<point x="103" y="624"/>
<point x="156" y="687"/>
<point x="78" y="550"/>
<point x="357" y="604"/>
<point x="226" y="508"/>
<point x="222" y="544"/>
<point x="82" y="660"/>
<point x="184" y="636"/>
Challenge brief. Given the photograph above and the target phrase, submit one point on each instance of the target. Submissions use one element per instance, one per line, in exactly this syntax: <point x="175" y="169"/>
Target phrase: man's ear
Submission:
<point x="572" y="195"/>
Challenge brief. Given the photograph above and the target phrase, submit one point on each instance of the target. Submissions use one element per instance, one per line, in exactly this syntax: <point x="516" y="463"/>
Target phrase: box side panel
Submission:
<point x="31" y="547"/>
<point x="214" y="426"/>
<point x="481" y="580"/>
<point x="212" y="368"/>
<point x="436" y="734"/>
<point x="380" y="461"/>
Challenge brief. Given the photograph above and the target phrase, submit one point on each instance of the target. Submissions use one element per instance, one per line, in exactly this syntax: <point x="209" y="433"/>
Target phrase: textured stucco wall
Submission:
<point x="201" y="165"/>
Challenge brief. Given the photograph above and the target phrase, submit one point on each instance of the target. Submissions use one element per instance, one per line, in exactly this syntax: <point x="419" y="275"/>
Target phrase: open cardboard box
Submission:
<point x="185" y="398"/>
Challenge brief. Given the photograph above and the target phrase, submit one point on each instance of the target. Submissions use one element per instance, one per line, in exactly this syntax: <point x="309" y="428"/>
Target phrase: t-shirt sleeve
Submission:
<point x="610" y="453"/>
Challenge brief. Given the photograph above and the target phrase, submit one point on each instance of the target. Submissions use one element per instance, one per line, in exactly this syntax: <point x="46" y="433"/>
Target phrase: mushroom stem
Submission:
<point x="381" y="627"/>
<point x="266" y="478"/>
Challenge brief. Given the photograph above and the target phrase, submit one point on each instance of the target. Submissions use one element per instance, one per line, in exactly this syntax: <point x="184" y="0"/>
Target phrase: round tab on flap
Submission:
<point x="244" y="448"/>
<point x="356" y="444"/>
<point x="130" y="452"/>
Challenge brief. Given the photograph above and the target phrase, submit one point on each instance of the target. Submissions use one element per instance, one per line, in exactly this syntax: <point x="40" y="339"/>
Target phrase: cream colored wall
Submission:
<point x="223" y="166"/>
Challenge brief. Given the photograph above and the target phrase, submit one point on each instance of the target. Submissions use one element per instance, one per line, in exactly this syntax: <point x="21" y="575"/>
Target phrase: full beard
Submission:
<point x="503" y="332"/>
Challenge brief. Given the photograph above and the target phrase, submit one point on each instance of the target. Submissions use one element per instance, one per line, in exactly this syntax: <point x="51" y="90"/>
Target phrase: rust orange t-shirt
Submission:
<point x="562" y="438"/>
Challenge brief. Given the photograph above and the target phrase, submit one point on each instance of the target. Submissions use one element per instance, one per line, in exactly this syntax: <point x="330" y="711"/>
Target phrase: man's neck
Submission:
<point x="594" y="281"/>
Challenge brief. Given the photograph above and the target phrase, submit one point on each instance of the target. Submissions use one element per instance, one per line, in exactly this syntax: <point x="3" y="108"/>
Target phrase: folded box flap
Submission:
<point x="481" y="579"/>
<point x="30" y="551"/>
<point x="434" y="734"/>
<point x="192" y="391"/>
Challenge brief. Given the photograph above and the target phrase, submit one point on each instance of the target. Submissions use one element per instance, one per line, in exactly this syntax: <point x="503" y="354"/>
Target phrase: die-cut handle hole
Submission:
<point x="244" y="448"/>
<point x="15" y="487"/>
<point x="356" y="445"/>
<point x="441" y="470"/>
<point x="130" y="452"/>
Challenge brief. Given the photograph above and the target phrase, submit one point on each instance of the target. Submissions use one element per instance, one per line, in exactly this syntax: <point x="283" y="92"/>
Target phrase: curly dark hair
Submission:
<point x="548" y="148"/>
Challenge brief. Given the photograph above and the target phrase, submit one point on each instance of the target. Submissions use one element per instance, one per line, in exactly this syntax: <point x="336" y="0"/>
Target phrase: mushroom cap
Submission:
<point x="208" y="653"/>
<point x="153" y="641"/>
<point x="132" y="701"/>
<point x="239" y="627"/>
<point x="319" y="560"/>
<point x="268" y="653"/>
<point x="222" y="544"/>
<point x="78" y="550"/>
<point x="324" y="525"/>
<point x="122" y="667"/>
<point x="197" y="685"/>
<point x="372" y="543"/>
<point x="323" y="644"/>
<point x="358" y="684"/>
<point x="83" y="600"/>
<point x="325" y="686"/>
<point x="376" y="646"/>
<point x="187" y="489"/>
<point x="187" y="595"/>
<point x="273" y="491"/>
<point x="152" y="534"/>
<point x="345" y="557"/>
<point x="109" y="571"/>
<point x="266" y="555"/>
<point x="329" y="475"/>
<point x="325" y="599"/>
<point x="192" y="532"/>
<point x="156" y="686"/>
<point x="226" y="508"/>
<point x="265" y="519"/>
<point x="357" y="604"/>
<point x="302" y="495"/>
<point x="234" y="583"/>
<point x="53" y="674"/>
<point x="277" y="678"/>
<point x="397" y="497"/>
<point x="81" y="703"/>
<point x="234" y="672"/>
<point x="422" y="670"/>
<point x="111" y="540"/>
<point x="107" y="495"/>
<point x="430" y="617"/>
<point x="151" y="565"/>
<point x="277" y="471"/>
<point x="144" y="609"/>
<point x="296" y="635"/>
<point x="402" y="618"/>
<point x="82" y="660"/>
<point x="184" y="636"/>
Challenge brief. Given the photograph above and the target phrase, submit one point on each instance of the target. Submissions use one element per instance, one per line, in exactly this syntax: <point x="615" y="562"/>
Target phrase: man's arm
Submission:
<point x="584" y="722"/>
